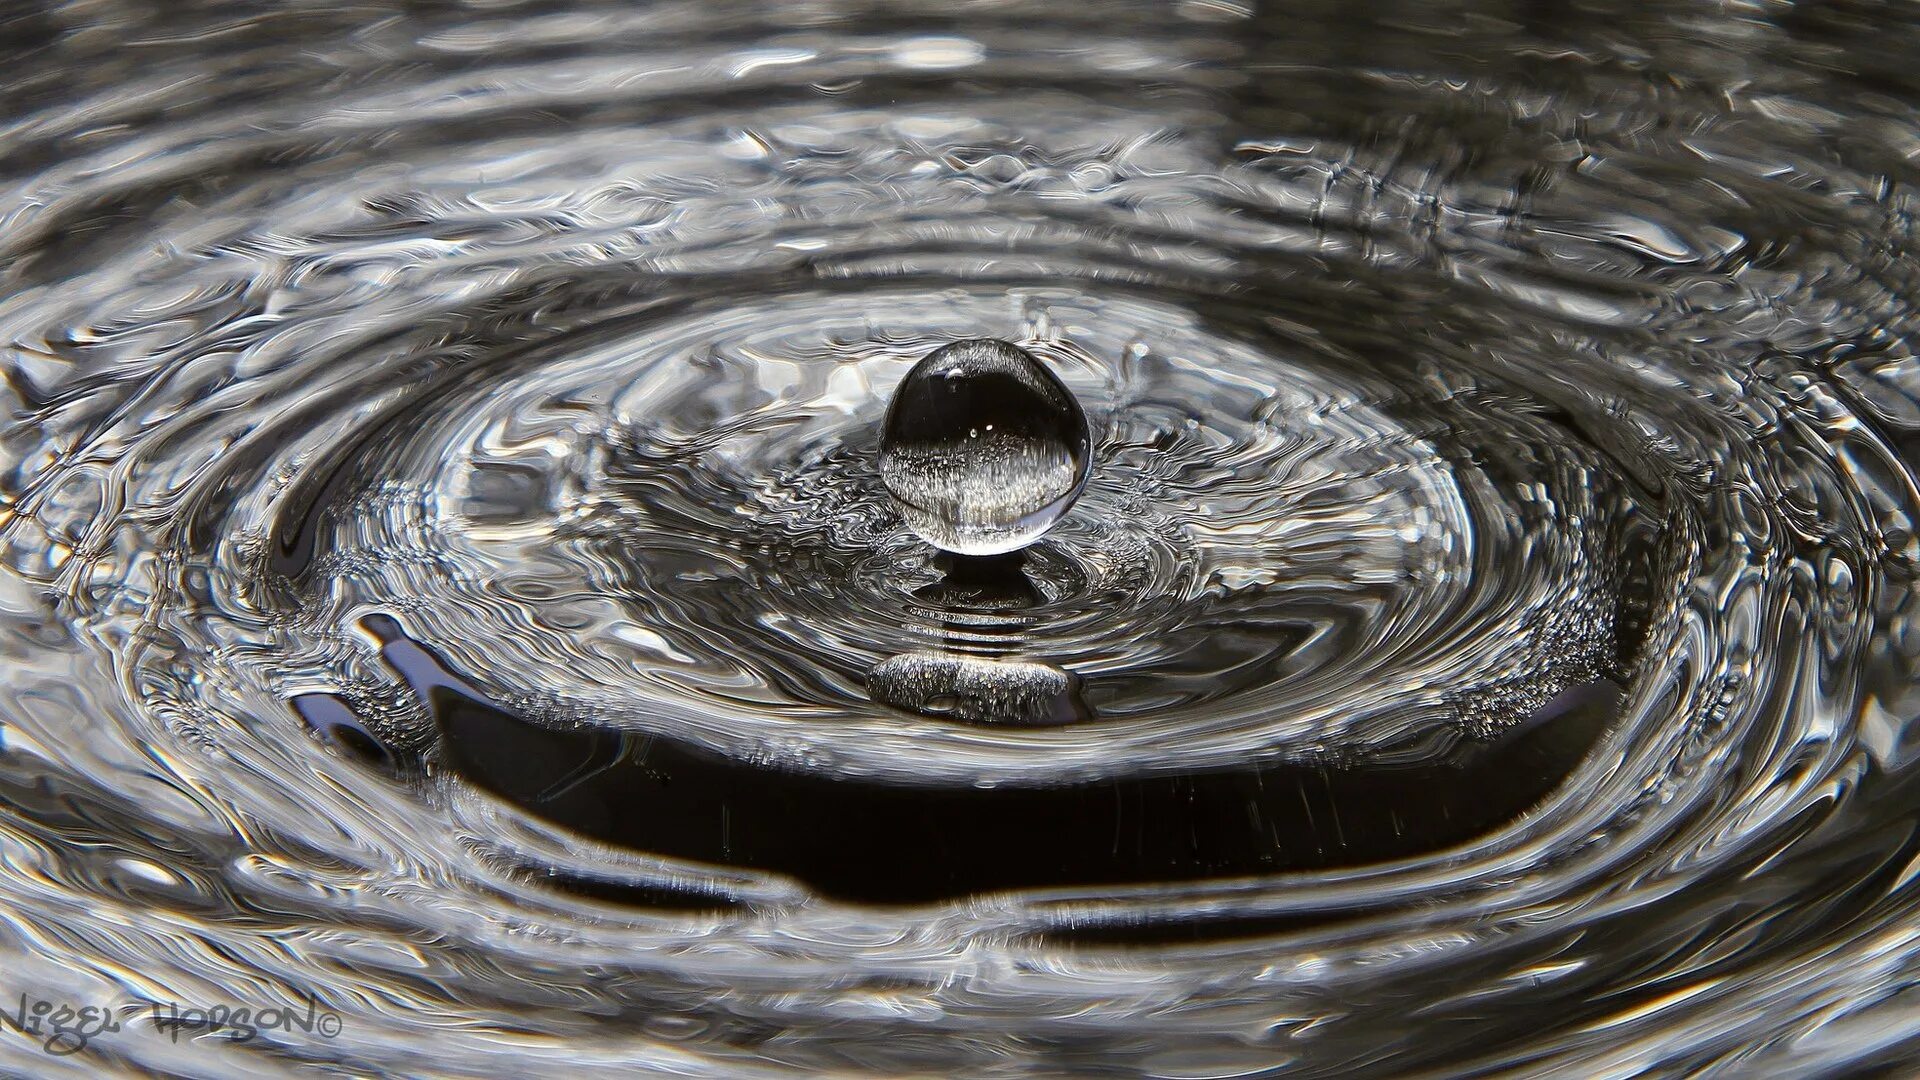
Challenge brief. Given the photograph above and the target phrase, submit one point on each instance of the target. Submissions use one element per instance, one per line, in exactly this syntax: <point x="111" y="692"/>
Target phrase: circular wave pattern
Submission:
<point x="447" y="572"/>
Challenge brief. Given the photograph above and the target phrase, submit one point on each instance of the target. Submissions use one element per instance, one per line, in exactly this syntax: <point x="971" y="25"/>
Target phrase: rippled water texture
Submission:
<point x="447" y="572"/>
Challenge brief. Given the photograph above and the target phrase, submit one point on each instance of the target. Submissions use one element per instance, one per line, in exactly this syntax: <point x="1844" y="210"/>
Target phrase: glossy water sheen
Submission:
<point x="447" y="570"/>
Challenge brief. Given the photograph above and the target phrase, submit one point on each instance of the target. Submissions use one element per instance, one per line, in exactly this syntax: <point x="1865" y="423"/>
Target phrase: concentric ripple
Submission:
<point x="448" y="575"/>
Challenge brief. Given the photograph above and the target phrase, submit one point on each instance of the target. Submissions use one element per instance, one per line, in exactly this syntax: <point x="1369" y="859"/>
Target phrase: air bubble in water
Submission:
<point x="984" y="448"/>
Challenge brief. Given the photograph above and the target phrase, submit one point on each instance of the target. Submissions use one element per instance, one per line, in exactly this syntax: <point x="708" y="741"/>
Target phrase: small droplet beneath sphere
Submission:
<point x="978" y="690"/>
<point x="984" y="448"/>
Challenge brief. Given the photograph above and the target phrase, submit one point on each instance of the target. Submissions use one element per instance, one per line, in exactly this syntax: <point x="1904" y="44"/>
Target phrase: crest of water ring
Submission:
<point x="445" y="501"/>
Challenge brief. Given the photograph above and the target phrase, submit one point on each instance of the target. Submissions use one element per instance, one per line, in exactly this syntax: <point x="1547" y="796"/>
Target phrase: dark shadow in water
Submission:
<point x="895" y="843"/>
<point x="663" y="898"/>
<point x="334" y="723"/>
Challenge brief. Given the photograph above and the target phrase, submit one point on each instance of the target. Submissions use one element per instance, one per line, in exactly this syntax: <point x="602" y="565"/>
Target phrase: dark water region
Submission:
<point x="880" y="842"/>
<point x="1458" y="459"/>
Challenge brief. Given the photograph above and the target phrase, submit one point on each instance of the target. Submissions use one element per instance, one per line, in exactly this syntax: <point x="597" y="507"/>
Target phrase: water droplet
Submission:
<point x="984" y="448"/>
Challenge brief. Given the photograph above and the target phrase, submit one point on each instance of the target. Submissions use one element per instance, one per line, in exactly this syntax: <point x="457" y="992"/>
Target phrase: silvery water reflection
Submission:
<point x="448" y="573"/>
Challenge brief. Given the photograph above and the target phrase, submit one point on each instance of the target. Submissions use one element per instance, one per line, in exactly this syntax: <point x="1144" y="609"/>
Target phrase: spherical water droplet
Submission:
<point x="984" y="448"/>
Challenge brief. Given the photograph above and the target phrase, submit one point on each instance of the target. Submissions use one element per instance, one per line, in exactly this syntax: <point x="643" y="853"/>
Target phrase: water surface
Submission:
<point x="448" y="576"/>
